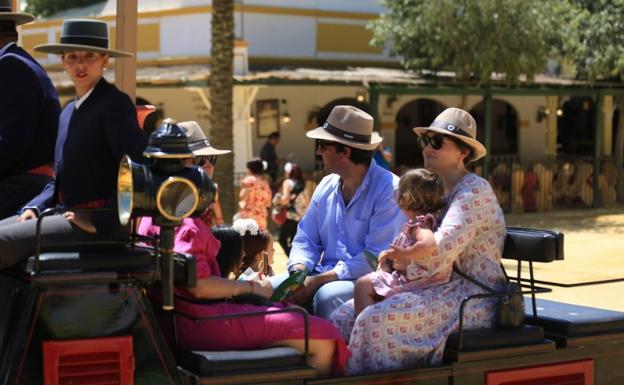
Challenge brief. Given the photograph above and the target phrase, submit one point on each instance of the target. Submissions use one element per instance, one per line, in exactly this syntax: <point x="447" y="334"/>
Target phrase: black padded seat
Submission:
<point x="113" y="258"/>
<point x="574" y="320"/>
<point x="484" y="344"/>
<point x="485" y="339"/>
<point x="212" y="363"/>
<point x="533" y="245"/>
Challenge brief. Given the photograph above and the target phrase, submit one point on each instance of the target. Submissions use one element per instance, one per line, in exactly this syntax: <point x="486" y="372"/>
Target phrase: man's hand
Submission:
<point x="26" y="215"/>
<point x="81" y="220"/>
<point x="305" y="294"/>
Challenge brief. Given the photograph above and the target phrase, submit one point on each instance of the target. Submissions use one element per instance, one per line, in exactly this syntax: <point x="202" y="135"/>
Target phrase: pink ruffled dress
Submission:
<point x="386" y="283"/>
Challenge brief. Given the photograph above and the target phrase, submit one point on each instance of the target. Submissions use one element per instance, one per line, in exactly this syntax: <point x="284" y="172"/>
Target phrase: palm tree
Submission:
<point x="220" y="83"/>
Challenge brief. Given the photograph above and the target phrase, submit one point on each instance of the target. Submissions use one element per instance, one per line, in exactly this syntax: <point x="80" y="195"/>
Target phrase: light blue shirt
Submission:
<point x="333" y="237"/>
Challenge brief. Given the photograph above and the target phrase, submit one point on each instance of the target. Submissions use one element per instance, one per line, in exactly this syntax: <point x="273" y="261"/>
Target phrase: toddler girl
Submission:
<point x="420" y="196"/>
<point x="257" y="246"/>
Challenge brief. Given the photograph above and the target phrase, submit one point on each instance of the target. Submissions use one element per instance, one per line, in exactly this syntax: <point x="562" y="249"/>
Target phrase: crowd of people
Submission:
<point x="378" y="251"/>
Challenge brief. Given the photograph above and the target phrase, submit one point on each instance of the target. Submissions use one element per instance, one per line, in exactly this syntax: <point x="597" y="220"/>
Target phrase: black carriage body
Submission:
<point x="83" y="319"/>
<point x="67" y="318"/>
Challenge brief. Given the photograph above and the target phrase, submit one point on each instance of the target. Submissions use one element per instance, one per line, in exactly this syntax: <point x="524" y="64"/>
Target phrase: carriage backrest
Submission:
<point x="533" y="245"/>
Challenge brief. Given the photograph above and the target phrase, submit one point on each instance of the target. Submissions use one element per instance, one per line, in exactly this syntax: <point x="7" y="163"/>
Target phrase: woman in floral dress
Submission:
<point x="255" y="194"/>
<point x="410" y="329"/>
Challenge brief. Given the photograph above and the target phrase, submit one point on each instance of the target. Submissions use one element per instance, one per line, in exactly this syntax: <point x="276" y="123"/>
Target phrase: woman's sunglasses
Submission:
<point x="436" y="141"/>
<point x="201" y="160"/>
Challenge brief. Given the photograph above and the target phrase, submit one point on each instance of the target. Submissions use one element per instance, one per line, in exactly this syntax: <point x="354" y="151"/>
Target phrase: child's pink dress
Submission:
<point x="386" y="284"/>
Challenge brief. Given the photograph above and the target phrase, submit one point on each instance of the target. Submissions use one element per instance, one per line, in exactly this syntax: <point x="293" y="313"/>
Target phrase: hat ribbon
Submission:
<point x="360" y="138"/>
<point x="450" y="127"/>
<point x="93" y="41"/>
<point x="199" y="144"/>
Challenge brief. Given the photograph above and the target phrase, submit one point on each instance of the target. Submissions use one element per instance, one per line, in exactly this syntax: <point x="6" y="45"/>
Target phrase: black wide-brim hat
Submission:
<point x="83" y="35"/>
<point x="7" y="14"/>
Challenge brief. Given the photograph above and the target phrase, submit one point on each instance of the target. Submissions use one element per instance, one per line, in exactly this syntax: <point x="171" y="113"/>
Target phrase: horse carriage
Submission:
<point x="80" y="313"/>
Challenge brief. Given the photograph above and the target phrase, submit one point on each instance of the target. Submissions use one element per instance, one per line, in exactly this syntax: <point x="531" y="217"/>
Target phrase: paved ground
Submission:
<point x="593" y="247"/>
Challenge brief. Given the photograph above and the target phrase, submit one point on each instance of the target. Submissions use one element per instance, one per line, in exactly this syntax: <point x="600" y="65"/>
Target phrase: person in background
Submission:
<point x="351" y="211"/>
<point x="29" y="112"/>
<point x="95" y="131"/>
<point x="255" y="194"/>
<point x="207" y="159"/>
<point x="269" y="155"/>
<point x="383" y="156"/>
<point x="294" y="197"/>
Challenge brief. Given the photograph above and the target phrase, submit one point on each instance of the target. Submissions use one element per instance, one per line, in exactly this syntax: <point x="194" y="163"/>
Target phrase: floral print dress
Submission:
<point x="255" y="199"/>
<point x="410" y="329"/>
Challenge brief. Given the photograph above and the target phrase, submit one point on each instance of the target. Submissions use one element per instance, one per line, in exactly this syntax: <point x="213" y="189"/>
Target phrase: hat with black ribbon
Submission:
<point x="198" y="143"/>
<point x="350" y="126"/>
<point x="7" y="14"/>
<point x="458" y="123"/>
<point x="83" y="35"/>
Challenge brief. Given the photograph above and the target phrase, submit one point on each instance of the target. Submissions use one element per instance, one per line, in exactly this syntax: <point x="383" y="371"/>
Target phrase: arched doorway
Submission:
<point x="323" y="113"/>
<point x="576" y="127"/>
<point x="419" y="112"/>
<point x="504" y="139"/>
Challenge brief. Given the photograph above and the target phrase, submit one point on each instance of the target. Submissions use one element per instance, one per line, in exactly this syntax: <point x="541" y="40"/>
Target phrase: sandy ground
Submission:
<point x="593" y="248"/>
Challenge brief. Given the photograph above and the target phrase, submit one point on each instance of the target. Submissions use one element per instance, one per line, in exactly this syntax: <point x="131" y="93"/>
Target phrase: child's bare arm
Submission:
<point x="425" y="246"/>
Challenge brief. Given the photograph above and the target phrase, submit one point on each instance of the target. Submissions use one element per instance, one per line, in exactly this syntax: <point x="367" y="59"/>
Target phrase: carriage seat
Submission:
<point x="213" y="363"/>
<point x="118" y="259"/>
<point x="571" y="325"/>
<point x="521" y="244"/>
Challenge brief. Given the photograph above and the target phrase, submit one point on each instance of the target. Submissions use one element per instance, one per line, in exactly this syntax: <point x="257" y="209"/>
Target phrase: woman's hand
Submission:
<point x="262" y="288"/>
<point x="81" y="220"/>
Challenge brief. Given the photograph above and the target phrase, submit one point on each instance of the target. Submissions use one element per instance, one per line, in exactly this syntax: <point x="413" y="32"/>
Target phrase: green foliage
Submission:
<point x="476" y="38"/>
<point x="49" y="7"/>
<point x="600" y="52"/>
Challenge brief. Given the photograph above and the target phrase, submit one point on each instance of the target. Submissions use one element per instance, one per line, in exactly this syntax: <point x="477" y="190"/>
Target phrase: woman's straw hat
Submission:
<point x="460" y="124"/>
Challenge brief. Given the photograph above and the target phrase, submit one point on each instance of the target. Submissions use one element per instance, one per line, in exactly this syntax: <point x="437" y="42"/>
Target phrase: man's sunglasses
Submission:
<point x="324" y="143"/>
<point x="201" y="160"/>
<point x="436" y="141"/>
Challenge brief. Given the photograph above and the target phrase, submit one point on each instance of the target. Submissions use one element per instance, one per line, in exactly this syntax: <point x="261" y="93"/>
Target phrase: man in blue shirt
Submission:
<point x="352" y="210"/>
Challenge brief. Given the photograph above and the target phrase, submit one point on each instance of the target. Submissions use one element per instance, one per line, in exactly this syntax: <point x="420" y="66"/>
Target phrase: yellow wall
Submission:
<point x="344" y="38"/>
<point x="30" y="41"/>
<point x="148" y="37"/>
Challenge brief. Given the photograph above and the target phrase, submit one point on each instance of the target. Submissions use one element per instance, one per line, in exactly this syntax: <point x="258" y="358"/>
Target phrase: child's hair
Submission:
<point x="231" y="250"/>
<point x="256" y="166"/>
<point x="421" y="191"/>
<point x="254" y="240"/>
<point x="254" y="244"/>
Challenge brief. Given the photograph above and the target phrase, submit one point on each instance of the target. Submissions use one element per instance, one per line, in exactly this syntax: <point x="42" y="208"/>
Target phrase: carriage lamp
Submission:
<point x="164" y="189"/>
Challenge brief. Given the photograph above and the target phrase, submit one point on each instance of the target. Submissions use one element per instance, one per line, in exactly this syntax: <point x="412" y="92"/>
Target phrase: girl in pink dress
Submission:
<point x="419" y="196"/>
<point x="255" y="194"/>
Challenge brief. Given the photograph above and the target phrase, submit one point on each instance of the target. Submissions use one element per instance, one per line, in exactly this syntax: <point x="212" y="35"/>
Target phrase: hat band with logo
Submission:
<point x="450" y="127"/>
<point x="85" y="40"/>
<point x="194" y="146"/>
<point x="360" y="138"/>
